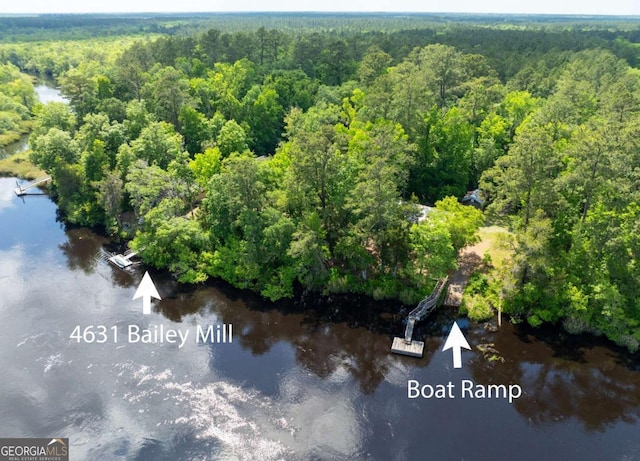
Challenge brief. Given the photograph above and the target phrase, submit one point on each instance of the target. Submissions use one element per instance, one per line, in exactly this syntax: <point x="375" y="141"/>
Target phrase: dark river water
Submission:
<point x="300" y="381"/>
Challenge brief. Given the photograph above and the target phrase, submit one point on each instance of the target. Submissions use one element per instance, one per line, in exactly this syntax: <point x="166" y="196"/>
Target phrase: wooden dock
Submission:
<point x="121" y="261"/>
<point x="22" y="189"/>
<point x="413" y="349"/>
<point x="406" y="345"/>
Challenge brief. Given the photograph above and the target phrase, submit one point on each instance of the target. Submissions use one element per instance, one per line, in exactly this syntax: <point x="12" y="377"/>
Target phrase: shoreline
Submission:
<point x="13" y="136"/>
<point x="384" y="316"/>
<point x="18" y="165"/>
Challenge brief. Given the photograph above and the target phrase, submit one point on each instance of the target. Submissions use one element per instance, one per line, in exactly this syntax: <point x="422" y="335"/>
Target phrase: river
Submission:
<point x="46" y="94"/>
<point x="296" y="383"/>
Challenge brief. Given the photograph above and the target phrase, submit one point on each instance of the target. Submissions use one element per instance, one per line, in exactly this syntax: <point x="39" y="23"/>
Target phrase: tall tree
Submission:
<point x="158" y="144"/>
<point x="166" y="92"/>
<point x="382" y="155"/>
<point x="522" y="180"/>
<point x="265" y="119"/>
<point x="80" y="86"/>
<point x="318" y="173"/>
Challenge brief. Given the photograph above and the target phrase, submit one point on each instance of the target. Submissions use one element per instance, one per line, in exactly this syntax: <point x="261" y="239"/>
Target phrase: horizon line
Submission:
<point x="338" y="12"/>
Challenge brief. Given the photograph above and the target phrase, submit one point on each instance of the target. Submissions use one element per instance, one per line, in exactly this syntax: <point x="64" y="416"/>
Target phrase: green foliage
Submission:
<point x="169" y="241"/>
<point x="16" y="87"/>
<point x="568" y="179"/>
<point x="194" y="129"/>
<point x="17" y="99"/>
<point x="52" y="115"/>
<point x="80" y="85"/>
<point x="147" y="186"/>
<point x="205" y="165"/>
<point x="434" y="251"/>
<point x="110" y="197"/>
<point x="232" y="138"/>
<point x="158" y="144"/>
<point x="165" y="93"/>
<point x="461" y="221"/>
<point x="137" y="118"/>
<point x="373" y="64"/>
<point x="481" y="296"/>
<point x="293" y="87"/>
<point x="180" y="131"/>
<point x="53" y="149"/>
<point x="264" y="117"/>
<point x="443" y="162"/>
<point x="310" y="252"/>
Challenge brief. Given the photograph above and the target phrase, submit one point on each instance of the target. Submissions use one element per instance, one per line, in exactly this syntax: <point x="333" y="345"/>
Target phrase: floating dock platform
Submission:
<point x="412" y="349"/>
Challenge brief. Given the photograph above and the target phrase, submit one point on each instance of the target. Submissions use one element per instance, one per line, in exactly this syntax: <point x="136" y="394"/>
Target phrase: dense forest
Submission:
<point x="17" y="98"/>
<point x="290" y="158"/>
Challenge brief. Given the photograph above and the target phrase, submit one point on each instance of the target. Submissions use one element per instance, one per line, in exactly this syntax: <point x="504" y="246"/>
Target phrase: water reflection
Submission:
<point x="321" y="346"/>
<point x="123" y="279"/>
<point x="81" y="248"/>
<point x="588" y="385"/>
<point x="47" y="94"/>
<point x="561" y="381"/>
<point x="564" y="377"/>
<point x="7" y="194"/>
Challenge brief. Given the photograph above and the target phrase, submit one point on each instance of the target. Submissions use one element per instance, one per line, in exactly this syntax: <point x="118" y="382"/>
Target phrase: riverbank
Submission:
<point x="20" y="166"/>
<point x="13" y="136"/>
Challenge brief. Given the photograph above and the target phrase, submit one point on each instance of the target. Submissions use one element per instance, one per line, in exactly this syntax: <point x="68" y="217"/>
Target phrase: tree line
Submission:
<point x="17" y="100"/>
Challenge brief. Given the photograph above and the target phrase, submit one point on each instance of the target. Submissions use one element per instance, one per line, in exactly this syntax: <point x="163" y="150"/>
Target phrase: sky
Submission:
<point x="609" y="7"/>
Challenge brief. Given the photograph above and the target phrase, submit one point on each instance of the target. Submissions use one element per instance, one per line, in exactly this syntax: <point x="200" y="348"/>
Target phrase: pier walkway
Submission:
<point x="22" y="189"/>
<point x="406" y="345"/>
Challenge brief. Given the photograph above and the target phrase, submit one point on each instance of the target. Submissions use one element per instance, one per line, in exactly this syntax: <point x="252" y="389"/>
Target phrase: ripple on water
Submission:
<point x="219" y="411"/>
<point x="305" y="421"/>
<point x="322" y="415"/>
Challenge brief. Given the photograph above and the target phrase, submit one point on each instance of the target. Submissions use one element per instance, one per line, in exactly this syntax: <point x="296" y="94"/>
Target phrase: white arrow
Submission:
<point x="456" y="341"/>
<point x="146" y="290"/>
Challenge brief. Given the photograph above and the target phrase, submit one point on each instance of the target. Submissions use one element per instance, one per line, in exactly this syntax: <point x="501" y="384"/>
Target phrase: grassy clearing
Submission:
<point x="20" y="166"/>
<point x="482" y="295"/>
<point x="498" y="244"/>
